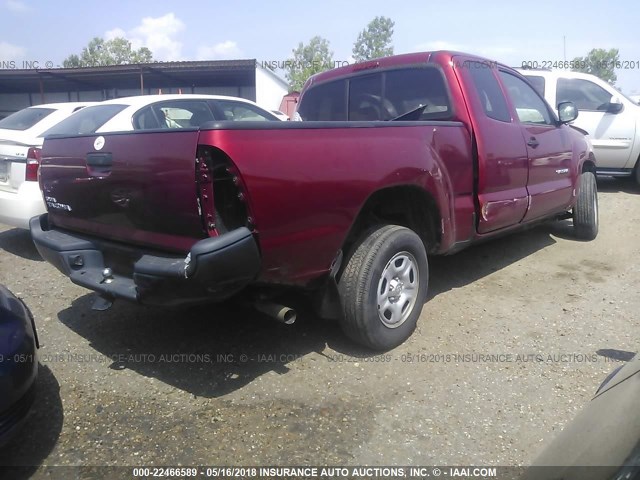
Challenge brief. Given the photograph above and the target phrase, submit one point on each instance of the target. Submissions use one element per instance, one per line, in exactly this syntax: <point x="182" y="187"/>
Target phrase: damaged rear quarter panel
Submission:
<point x="306" y="184"/>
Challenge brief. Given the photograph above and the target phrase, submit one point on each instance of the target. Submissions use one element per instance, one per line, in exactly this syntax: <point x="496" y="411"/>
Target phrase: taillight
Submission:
<point x="33" y="163"/>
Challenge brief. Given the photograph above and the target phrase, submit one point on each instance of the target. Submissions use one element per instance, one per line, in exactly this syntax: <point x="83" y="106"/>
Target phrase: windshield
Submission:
<point x="87" y="120"/>
<point x="624" y="95"/>
<point x="25" y="119"/>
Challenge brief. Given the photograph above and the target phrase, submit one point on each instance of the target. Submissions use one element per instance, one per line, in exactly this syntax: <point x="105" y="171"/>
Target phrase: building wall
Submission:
<point x="268" y="92"/>
<point x="269" y="89"/>
<point x="12" y="102"/>
<point x="93" y="96"/>
<point x="231" y="91"/>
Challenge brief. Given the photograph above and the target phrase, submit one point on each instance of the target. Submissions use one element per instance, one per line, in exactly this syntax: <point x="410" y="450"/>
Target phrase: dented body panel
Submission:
<point x="289" y="173"/>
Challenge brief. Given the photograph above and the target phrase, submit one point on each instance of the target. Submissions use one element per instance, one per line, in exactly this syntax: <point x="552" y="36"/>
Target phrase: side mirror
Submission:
<point x="615" y="105"/>
<point x="567" y="112"/>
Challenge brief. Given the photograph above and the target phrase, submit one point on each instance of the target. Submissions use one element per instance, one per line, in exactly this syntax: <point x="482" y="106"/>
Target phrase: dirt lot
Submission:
<point x="517" y="335"/>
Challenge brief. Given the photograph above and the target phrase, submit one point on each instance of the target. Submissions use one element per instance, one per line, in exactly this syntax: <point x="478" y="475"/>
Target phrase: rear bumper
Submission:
<point x="18" y="207"/>
<point x="215" y="268"/>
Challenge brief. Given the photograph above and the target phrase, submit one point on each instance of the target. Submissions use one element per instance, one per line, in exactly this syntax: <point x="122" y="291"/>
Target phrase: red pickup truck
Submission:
<point x="395" y="159"/>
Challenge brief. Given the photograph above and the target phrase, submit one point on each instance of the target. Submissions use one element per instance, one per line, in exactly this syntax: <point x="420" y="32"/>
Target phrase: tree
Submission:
<point x="599" y="62"/>
<point x="375" y="40"/>
<point x="99" y="53"/>
<point x="308" y="60"/>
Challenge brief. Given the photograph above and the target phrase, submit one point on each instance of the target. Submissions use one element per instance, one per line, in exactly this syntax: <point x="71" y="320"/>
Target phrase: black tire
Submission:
<point x="362" y="318"/>
<point x="585" y="212"/>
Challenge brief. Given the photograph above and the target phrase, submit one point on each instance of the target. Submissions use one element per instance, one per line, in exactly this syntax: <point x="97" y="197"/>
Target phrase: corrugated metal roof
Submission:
<point x="155" y="75"/>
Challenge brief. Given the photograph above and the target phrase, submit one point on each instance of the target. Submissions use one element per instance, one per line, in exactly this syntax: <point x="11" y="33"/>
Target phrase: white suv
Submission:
<point x="611" y="119"/>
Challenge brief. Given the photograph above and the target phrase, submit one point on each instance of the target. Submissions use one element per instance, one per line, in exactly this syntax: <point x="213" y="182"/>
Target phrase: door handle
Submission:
<point x="533" y="143"/>
<point x="99" y="164"/>
<point x="99" y="160"/>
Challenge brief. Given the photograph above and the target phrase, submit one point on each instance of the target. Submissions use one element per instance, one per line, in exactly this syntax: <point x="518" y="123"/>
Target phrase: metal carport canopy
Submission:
<point x="140" y="76"/>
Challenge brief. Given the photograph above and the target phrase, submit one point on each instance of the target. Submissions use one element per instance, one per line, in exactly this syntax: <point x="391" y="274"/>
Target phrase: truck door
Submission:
<point x="502" y="163"/>
<point x="612" y="130"/>
<point x="549" y="149"/>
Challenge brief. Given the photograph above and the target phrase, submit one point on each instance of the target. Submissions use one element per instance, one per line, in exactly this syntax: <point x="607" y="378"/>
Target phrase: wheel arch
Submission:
<point x="589" y="165"/>
<point x="636" y="170"/>
<point x="406" y="205"/>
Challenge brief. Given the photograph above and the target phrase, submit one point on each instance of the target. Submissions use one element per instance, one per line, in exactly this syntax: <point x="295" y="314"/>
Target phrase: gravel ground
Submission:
<point x="517" y="335"/>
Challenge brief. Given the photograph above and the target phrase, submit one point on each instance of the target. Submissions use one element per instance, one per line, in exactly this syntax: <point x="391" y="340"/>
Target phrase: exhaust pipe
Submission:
<point x="276" y="311"/>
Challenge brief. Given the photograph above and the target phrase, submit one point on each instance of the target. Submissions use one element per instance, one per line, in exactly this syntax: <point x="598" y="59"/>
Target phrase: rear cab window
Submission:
<point x="365" y="99"/>
<point x="325" y="102"/>
<point x="85" y="121"/>
<point x="25" y="119"/>
<point x="415" y="93"/>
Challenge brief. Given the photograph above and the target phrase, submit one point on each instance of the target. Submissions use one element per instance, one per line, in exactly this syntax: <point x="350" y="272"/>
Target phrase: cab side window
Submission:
<point x="537" y="82"/>
<point x="488" y="88"/>
<point x="409" y="89"/>
<point x="585" y="94"/>
<point x="530" y="108"/>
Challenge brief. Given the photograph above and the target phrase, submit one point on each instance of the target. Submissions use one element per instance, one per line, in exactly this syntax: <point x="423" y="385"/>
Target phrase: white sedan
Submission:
<point x="122" y="114"/>
<point x="20" y="141"/>
<point x="152" y="112"/>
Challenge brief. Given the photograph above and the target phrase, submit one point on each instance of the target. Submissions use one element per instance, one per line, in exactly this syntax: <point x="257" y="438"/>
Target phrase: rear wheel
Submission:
<point x="383" y="287"/>
<point x="585" y="212"/>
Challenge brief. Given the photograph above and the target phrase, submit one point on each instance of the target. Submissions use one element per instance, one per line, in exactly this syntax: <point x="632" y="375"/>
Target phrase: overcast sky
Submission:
<point x="507" y="31"/>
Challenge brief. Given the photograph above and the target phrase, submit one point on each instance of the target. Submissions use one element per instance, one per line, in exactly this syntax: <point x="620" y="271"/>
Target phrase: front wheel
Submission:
<point x="585" y="212"/>
<point x="383" y="287"/>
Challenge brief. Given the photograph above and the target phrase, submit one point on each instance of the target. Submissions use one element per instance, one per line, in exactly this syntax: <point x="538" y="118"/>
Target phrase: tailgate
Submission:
<point x="138" y="188"/>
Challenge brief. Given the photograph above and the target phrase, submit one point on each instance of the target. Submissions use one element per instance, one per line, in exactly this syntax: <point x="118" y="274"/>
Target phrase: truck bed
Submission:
<point x="302" y="183"/>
